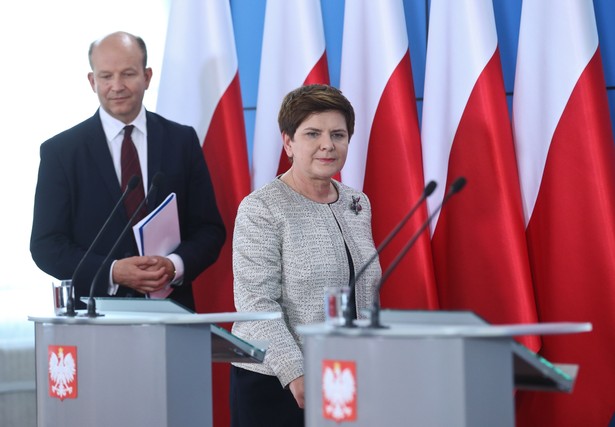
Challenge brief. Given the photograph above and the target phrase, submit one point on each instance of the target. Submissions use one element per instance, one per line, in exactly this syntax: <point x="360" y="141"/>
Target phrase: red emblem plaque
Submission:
<point x="62" y="370"/>
<point x="339" y="390"/>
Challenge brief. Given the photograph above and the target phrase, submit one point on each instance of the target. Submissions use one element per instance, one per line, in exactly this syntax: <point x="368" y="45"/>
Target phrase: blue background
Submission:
<point x="248" y="21"/>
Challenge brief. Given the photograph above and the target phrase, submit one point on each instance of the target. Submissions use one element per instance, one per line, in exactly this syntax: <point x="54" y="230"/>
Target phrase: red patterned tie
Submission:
<point x="131" y="167"/>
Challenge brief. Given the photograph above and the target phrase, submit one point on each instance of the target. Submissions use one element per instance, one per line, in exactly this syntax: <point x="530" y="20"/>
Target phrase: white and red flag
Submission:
<point x="293" y="54"/>
<point x="566" y="157"/>
<point x="384" y="157"/>
<point x="478" y="239"/>
<point x="199" y="86"/>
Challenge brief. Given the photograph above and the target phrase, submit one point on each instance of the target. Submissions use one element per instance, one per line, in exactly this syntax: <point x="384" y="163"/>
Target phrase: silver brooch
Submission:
<point x="355" y="206"/>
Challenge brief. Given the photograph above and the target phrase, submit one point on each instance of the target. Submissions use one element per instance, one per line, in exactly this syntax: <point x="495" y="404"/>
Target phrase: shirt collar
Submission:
<point x="113" y="127"/>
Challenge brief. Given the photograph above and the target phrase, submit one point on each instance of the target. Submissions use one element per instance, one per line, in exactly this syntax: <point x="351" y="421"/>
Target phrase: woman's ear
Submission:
<point x="286" y="142"/>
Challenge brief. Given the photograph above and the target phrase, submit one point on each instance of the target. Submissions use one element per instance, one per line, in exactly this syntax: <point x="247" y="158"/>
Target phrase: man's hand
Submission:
<point x="143" y="273"/>
<point x="296" y="387"/>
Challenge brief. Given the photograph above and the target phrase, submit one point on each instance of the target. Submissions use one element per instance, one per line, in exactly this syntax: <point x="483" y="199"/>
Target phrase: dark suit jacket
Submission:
<point x="77" y="189"/>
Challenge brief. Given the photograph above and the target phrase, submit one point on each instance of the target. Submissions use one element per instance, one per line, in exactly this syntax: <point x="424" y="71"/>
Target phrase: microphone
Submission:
<point x="455" y="188"/>
<point x="427" y="191"/>
<point x="156" y="181"/>
<point x="70" y="301"/>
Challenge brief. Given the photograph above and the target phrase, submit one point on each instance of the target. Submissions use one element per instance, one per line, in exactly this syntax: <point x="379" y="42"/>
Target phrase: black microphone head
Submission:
<point x="457" y="185"/>
<point x="157" y="180"/>
<point x="430" y="188"/>
<point x="133" y="182"/>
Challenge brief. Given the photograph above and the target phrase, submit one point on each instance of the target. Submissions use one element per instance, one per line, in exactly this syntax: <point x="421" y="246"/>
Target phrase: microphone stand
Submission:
<point x="70" y="301"/>
<point x="375" y="311"/>
<point x="91" y="301"/>
<point x="427" y="191"/>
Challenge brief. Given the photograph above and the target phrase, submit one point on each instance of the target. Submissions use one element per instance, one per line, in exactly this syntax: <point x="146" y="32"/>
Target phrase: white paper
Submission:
<point x="158" y="232"/>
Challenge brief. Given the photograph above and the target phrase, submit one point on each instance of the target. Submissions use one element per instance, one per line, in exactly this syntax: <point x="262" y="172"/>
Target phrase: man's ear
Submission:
<point x="92" y="81"/>
<point x="148" y="77"/>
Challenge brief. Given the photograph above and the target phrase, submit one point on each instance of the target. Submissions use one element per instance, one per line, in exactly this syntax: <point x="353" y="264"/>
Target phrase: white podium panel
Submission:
<point x="423" y="382"/>
<point x="135" y="368"/>
<point x="127" y="375"/>
<point x="424" y="370"/>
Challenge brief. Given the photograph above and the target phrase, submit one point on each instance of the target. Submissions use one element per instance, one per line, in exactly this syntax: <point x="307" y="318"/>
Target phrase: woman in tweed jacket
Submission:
<point x="300" y="233"/>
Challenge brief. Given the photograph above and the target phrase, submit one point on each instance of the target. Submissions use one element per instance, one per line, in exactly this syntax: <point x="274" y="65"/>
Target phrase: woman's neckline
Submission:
<point x="288" y="180"/>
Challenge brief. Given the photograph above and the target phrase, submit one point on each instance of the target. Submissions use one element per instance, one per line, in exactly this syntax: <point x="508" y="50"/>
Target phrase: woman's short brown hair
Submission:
<point x="304" y="101"/>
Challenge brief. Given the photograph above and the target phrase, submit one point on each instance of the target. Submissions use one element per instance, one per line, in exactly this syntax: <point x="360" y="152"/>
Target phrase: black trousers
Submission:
<point x="259" y="400"/>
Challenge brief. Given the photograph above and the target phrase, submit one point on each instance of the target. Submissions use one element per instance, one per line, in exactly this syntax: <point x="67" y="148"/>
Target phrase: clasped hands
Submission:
<point x="144" y="273"/>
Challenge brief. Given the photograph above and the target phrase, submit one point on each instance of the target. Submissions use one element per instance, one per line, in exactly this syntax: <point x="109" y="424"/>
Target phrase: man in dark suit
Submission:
<point x="79" y="183"/>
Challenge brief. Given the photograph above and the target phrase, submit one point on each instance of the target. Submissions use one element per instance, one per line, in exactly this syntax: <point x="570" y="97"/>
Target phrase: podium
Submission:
<point x="144" y="363"/>
<point x="426" y="369"/>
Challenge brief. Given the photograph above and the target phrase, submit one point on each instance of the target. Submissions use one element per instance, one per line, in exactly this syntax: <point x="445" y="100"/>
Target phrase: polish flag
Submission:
<point x="293" y="54"/>
<point x="384" y="157"/>
<point x="200" y="87"/>
<point x="566" y="157"/>
<point x="478" y="239"/>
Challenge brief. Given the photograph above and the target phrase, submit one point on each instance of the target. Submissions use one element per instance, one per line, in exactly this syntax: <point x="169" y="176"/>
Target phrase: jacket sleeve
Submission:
<point x="257" y="268"/>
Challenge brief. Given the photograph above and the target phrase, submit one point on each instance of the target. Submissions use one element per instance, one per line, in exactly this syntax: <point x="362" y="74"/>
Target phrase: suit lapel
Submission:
<point x="99" y="149"/>
<point x="155" y="137"/>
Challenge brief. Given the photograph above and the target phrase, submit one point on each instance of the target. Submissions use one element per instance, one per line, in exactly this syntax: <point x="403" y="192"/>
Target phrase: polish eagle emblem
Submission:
<point x="339" y="390"/>
<point x="63" y="372"/>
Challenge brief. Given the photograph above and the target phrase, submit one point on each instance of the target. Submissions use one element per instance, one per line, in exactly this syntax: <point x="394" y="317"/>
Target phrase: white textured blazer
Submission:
<point x="286" y="250"/>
